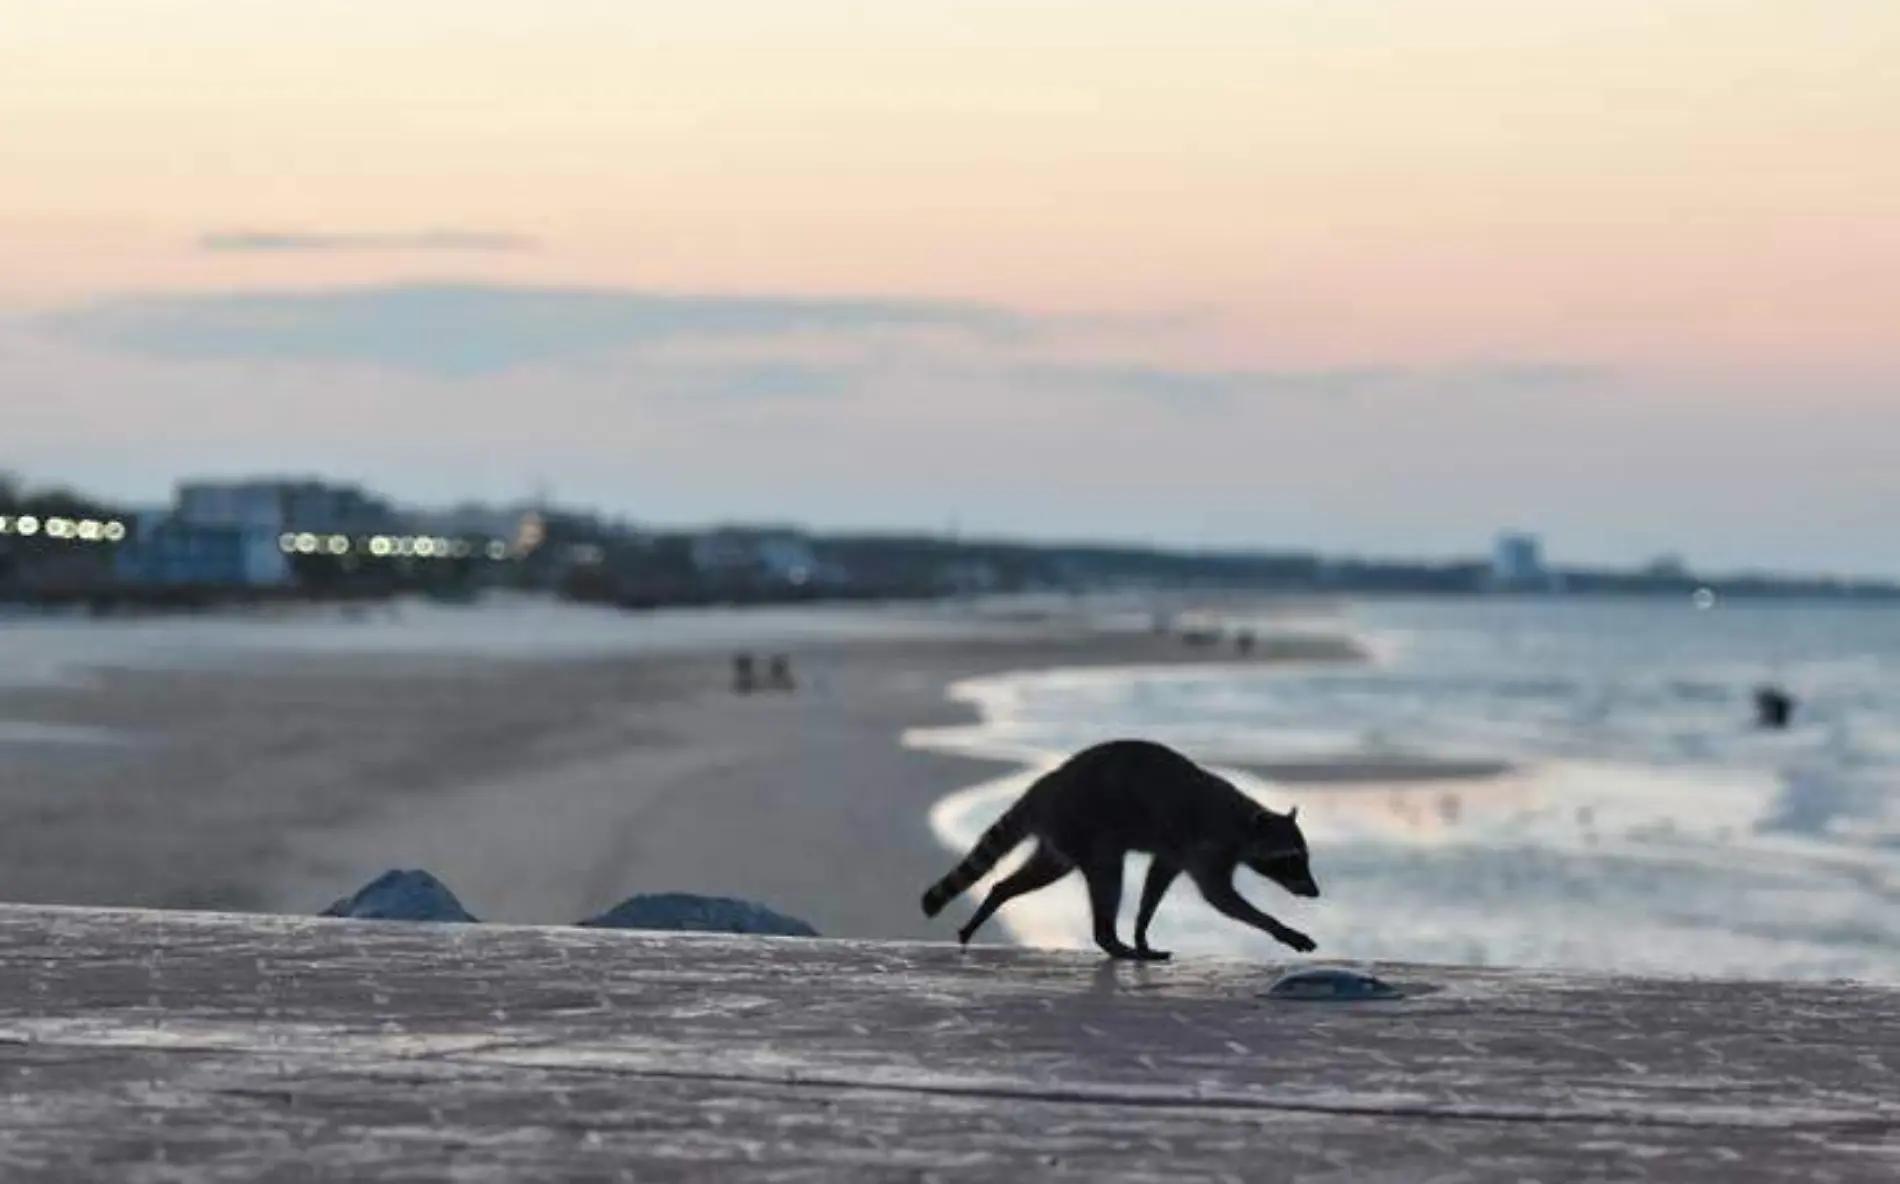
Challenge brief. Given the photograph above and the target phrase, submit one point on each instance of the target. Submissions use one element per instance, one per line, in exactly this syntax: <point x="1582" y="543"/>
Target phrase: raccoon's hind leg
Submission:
<point x="1161" y="876"/>
<point x="1104" y="873"/>
<point x="1043" y="868"/>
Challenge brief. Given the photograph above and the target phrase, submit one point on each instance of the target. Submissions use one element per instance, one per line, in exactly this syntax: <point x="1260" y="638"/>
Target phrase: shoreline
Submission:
<point x="544" y="791"/>
<point x="539" y="791"/>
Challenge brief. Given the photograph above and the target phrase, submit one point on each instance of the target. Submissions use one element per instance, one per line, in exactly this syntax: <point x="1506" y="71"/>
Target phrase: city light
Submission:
<point x="382" y="546"/>
<point x="65" y="530"/>
<point x="533" y="530"/>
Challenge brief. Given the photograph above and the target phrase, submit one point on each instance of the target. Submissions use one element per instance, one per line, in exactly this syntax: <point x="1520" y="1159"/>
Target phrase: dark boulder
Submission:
<point x="705" y="914"/>
<point x="398" y="895"/>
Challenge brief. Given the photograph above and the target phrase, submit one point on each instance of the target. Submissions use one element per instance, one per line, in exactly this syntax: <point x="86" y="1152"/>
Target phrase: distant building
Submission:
<point x="971" y="577"/>
<point x="788" y="559"/>
<point x="721" y="552"/>
<point x="1517" y="560"/>
<point x="472" y="519"/>
<point x="285" y="504"/>
<point x="167" y="549"/>
<point x="778" y="557"/>
<point x="1667" y="567"/>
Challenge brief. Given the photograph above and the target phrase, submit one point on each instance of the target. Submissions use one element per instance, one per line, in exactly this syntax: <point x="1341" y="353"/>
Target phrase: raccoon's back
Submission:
<point x="1116" y="767"/>
<point x="1141" y="791"/>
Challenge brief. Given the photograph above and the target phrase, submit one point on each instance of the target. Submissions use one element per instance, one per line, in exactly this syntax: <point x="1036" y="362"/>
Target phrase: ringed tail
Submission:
<point x="997" y="841"/>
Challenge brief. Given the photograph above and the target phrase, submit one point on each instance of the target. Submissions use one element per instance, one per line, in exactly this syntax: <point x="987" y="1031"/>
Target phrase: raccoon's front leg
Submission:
<point x="1220" y="892"/>
<point x="1104" y="874"/>
<point x="1161" y="875"/>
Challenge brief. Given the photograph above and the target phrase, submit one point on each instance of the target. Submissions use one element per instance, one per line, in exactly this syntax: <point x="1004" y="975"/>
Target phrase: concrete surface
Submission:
<point x="193" y="1046"/>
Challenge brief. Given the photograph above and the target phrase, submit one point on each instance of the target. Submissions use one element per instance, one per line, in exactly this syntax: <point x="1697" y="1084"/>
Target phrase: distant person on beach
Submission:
<point x="742" y="677"/>
<point x="779" y="674"/>
<point x="1773" y="707"/>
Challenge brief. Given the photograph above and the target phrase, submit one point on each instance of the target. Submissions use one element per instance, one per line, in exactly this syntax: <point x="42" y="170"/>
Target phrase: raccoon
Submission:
<point x="1137" y="795"/>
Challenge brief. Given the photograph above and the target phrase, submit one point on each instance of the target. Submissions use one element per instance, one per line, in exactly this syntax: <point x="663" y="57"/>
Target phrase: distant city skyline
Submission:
<point x="1514" y="555"/>
<point x="1358" y="277"/>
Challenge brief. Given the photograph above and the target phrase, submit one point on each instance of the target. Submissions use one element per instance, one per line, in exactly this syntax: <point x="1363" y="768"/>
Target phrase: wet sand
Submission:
<point x="540" y="792"/>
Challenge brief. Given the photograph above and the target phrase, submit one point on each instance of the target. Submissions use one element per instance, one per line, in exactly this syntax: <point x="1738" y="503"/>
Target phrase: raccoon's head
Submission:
<point x="1277" y="850"/>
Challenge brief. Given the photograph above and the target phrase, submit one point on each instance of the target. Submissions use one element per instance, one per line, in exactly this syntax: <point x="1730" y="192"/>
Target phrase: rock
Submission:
<point x="706" y="914"/>
<point x="1330" y="983"/>
<point x="398" y="895"/>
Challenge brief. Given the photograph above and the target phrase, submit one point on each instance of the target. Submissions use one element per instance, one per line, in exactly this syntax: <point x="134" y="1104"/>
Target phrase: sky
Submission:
<point x="1373" y="276"/>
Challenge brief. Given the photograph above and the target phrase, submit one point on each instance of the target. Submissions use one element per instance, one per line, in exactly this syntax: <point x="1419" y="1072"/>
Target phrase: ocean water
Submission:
<point x="1644" y="826"/>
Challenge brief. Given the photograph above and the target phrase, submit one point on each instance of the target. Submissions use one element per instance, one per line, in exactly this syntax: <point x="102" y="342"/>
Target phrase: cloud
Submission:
<point x="425" y="240"/>
<point x="1204" y="386"/>
<point x="728" y="346"/>
<point x="1516" y="378"/>
<point x="752" y="382"/>
<point x="457" y="331"/>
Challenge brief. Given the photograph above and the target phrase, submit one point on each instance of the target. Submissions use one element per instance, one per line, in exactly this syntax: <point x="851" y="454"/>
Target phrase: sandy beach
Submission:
<point x="540" y="791"/>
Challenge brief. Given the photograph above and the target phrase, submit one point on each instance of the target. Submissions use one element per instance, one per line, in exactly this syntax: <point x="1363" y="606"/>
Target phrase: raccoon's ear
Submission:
<point x="1293" y="815"/>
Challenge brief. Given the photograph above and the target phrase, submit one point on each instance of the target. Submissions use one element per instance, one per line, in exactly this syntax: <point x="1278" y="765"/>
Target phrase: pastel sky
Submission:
<point x="1371" y="275"/>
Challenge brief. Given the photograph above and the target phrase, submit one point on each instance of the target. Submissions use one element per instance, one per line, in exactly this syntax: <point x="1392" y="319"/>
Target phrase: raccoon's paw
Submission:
<point x="1144" y="954"/>
<point x="1298" y="940"/>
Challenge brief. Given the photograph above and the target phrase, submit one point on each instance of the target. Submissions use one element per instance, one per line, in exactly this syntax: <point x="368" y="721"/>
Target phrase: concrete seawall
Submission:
<point x="146" y="1045"/>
